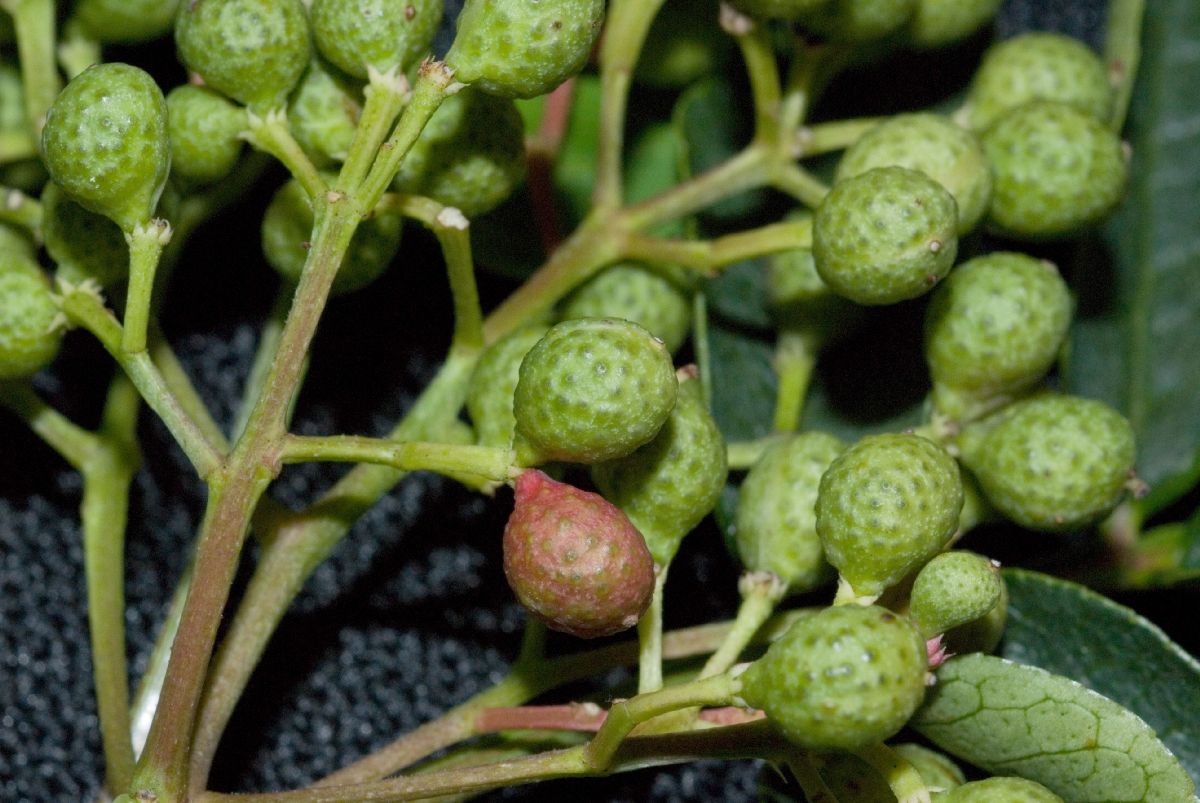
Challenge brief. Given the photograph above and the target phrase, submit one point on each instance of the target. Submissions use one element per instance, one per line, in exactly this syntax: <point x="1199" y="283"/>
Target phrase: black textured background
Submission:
<point x="411" y="614"/>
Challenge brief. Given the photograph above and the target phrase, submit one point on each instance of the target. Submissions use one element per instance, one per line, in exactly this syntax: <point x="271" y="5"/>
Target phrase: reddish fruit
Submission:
<point x="575" y="560"/>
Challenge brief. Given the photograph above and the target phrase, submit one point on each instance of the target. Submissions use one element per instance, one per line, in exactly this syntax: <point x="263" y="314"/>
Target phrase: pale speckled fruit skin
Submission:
<point x="287" y="227"/>
<point x="997" y="324"/>
<point x="858" y="20"/>
<point x="887" y="505"/>
<point x="384" y="34"/>
<point x="1056" y="170"/>
<point x="1038" y="66"/>
<point x="27" y="313"/>
<point x="936" y="769"/>
<point x="982" y="634"/>
<point x="254" y="51"/>
<point x="776" y="522"/>
<point x="85" y="245"/>
<point x="105" y="142"/>
<point x="885" y="235"/>
<point x="470" y="156"/>
<point x="940" y="22"/>
<point x="844" y="678"/>
<point x="933" y="145"/>
<point x="323" y="113"/>
<point x="493" y="383"/>
<point x="777" y="9"/>
<point x="593" y="389"/>
<point x="1052" y="462"/>
<point x="1001" y="790"/>
<point x="126" y="20"/>
<point x="952" y="589"/>
<point x="203" y="128"/>
<point x="637" y="294"/>
<point x="669" y="485"/>
<point x="520" y="49"/>
<point x="574" y="560"/>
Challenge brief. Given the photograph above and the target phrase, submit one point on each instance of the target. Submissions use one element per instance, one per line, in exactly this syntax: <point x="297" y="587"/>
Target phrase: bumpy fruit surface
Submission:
<point x="884" y="236"/>
<point x="286" y="229"/>
<point x="1038" y="66"/>
<point x="470" y="156"/>
<point x="667" y="486"/>
<point x="939" y="22"/>
<point x="384" y="34"/>
<point x="105" y="142"/>
<point x="886" y="505"/>
<point x="776" y="524"/>
<point x="574" y="560"/>
<point x="636" y="294"/>
<point x="1052" y="462"/>
<point x="1001" y="790"/>
<point x="84" y="244"/>
<point x="254" y="51"/>
<point x="28" y="338"/>
<point x="493" y="383"/>
<point x="1056" y="169"/>
<point x="996" y="325"/>
<point x="936" y="769"/>
<point x="844" y="678"/>
<point x="520" y="49"/>
<point x="952" y="589"/>
<point x="777" y="9"/>
<point x="203" y="127"/>
<point x="982" y="634"/>
<point x="593" y="389"/>
<point x="323" y="113"/>
<point x="858" y="20"/>
<point x="935" y="146"/>
<point x="126" y="20"/>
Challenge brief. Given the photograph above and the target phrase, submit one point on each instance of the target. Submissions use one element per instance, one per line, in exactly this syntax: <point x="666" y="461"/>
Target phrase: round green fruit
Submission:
<point x="940" y="22"/>
<point x="1052" y="462"/>
<point x="84" y="245"/>
<point x="858" y="20"/>
<point x="126" y="20"/>
<point x="203" y="128"/>
<point x="323" y="113"/>
<point x="254" y="51"/>
<point x="887" y="505"/>
<point x="637" y="294"/>
<point x="382" y="34"/>
<point x="885" y="235"/>
<point x="844" y="678"/>
<point x="494" y="382"/>
<point x="29" y="336"/>
<point x="105" y="142"/>
<point x="593" y="389"/>
<point x="776" y="524"/>
<point x="952" y="589"/>
<point x="1001" y="790"/>
<point x="1056" y="169"/>
<point x="515" y="48"/>
<point x="936" y="769"/>
<point x="935" y="146"/>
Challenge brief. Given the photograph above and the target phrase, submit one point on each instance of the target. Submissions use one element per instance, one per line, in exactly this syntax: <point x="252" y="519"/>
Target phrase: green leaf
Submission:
<point x="1067" y="629"/>
<point x="1011" y="719"/>
<point x="1137" y="347"/>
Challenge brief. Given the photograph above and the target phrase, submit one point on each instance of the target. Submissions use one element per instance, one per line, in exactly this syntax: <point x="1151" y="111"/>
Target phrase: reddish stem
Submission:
<point x="583" y="717"/>
<point x="542" y="150"/>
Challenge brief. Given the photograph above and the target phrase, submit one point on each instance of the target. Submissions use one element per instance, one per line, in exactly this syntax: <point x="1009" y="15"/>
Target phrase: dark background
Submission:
<point x="410" y="616"/>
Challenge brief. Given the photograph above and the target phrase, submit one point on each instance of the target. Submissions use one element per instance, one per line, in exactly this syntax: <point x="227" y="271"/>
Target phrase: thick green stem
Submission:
<point x="649" y="630"/>
<point x="749" y="169"/>
<point x="19" y="209"/>
<point x="34" y="24"/>
<point x="800" y="184"/>
<point x="754" y="41"/>
<point x="823" y="138"/>
<point x="73" y="443"/>
<point x="487" y="462"/>
<point x="711" y="255"/>
<point x="795" y="358"/>
<point x="146" y="243"/>
<point x="385" y="94"/>
<point x="270" y="134"/>
<point x="761" y="593"/>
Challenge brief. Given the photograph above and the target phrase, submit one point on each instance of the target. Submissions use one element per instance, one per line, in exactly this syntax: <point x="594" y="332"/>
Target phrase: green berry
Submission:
<point x="995" y="326"/>
<point x="470" y="156"/>
<point x="1038" y="66"/>
<point x="936" y="769"/>
<point x="1052" y="462"/>
<point x="85" y="245"/>
<point x="887" y="505"/>
<point x="593" y="389"/>
<point x="29" y="336"/>
<point x="777" y="9"/>
<point x="381" y="34"/>
<point x="982" y="634"/>
<point x="636" y="294"/>
<point x="126" y="20"/>
<point x="844" y="678"/>
<point x="687" y="45"/>
<point x="939" y="22"/>
<point x="1001" y="790"/>
<point x="323" y="113"/>
<point x="1056" y="169"/>
<point x="885" y="235"/>
<point x="935" y="146"/>
<point x="254" y="51"/>
<point x="494" y="382"/>
<point x="105" y="142"/>
<point x="574" y="560"/>
<point x="203" y="128"/>
<point x="668" y="485"/>
<point x="952" y="589"/>
<point x="859" y="20"/>
<point x="520" y="49"/>
<point x="287" y="229"/>
<point x="776" y="524"/>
